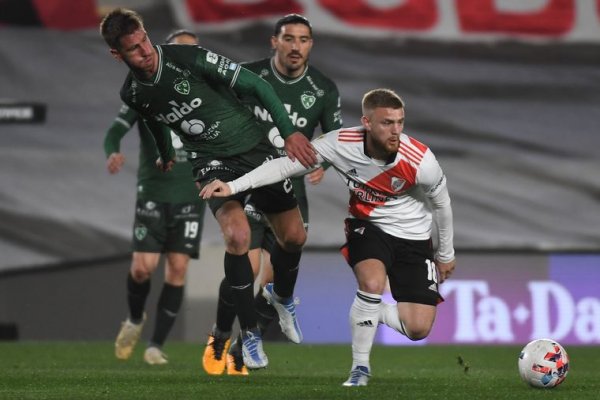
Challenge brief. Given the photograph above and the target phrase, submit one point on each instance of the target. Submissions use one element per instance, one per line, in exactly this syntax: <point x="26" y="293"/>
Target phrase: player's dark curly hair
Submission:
<point x="292" y="19"/>
<point x="118" y="23"/>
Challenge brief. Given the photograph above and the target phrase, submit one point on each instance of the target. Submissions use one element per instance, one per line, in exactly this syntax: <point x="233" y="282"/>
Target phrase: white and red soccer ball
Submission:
<point x="543" y="363"/>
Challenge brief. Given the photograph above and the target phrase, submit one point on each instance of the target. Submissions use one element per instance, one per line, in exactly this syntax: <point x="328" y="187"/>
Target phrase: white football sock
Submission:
<point x="364" y="318"/>
<point x="388" y="314"/>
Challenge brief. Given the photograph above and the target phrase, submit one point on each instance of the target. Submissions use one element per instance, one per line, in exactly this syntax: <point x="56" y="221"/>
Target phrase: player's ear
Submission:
<point x="273" y="42"/>
<point x="116" y="55"/>
<point x="365" y="122"/>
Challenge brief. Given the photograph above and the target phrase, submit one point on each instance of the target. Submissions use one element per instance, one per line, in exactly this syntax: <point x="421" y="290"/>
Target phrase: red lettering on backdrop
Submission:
<point x="411" y="15"/>
<point x="557" y="17"/>
<point x="225" y="10"/>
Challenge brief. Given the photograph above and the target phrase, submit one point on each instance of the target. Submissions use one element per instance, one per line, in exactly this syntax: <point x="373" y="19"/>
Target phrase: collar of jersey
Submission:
<point x="158" y="72"/>
<point x="282" y="78"/>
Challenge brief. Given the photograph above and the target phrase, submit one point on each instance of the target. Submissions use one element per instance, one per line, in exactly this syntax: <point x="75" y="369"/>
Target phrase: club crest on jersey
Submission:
<point x="397" y="184"/>
<point x="308" y="99"/>
<point x="140" y="232"/>
<point x="182" y="86"/>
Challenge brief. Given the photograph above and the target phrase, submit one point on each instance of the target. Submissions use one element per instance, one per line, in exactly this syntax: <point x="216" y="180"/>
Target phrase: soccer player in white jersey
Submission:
<point x="397" y="190"/>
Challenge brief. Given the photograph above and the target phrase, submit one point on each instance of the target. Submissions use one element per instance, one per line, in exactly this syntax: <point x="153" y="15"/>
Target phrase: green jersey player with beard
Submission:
<point x="194" y="91"/>
<point x="311" y="99"/>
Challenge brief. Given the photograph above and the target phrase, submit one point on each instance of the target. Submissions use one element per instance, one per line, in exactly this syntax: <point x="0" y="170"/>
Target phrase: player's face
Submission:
<point x="292" y="47"/>
<point x="137" y="52"/>
<point x="384" y="126"/>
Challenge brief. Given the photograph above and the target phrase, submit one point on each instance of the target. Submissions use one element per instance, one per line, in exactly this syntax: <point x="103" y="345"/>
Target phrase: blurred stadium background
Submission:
<point x="505" y="92"/>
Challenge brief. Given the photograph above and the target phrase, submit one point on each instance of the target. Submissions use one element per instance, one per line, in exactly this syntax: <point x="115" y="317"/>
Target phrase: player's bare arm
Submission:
<point x="115" y="162"/>
<point x="299" y="147"/>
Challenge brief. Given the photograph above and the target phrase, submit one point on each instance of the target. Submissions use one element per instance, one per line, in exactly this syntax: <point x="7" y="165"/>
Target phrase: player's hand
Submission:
<point x="164" y="167"/>
<point x="299" y="147"/>
<point x="115" y="162"/>
<point x="445" y="269"/>
<point x="215" y="188"/>
<point x="316" y="176"/>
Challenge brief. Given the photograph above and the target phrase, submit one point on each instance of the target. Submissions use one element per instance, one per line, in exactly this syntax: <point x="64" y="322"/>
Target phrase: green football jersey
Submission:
<point x="195" y="92"/>
<point x="311" y="99"/>
<point x="175" y="186"/>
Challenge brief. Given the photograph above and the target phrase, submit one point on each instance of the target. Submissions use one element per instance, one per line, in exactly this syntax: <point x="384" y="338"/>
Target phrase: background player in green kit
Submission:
<point x="311" y="99"/>
<point x="194" y="92"/>
<point x="168" y="219"/>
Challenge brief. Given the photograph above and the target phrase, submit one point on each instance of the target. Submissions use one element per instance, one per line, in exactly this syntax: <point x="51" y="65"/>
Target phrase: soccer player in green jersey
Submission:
<point x="194" y="91"/>
<point x="168" y="219"/>
<point x="312" y="99"/>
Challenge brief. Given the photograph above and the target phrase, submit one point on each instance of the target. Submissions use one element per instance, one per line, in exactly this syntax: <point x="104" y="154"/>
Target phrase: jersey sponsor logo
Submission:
<point x="397" y="183"/>
<point x="253" y="213"/>
<point x="196" y="127"/>
<point x="308" y="100"/>
<point x="182" y="86"/>
<point x="193" y="126"/>
<point x="213" y="165"/>
<point x="172" y="66"/>
<point x="367" y="194"/>
<point x="148" y="210"/>
<point x="263" y="115"/>
<point x="178" y="111"/>
<point x="140" y="232"/>
<point x="320" y="92"/>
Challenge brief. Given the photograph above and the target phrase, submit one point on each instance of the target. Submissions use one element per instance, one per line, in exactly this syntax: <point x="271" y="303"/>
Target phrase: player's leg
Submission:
<point x="265" y="312"/>
<point x="368" y="252"/>
<point x="184" y="223"/>
<point x="214" y="360"/>
<point x="169" y="303"/>
<point x="138" y="287"/>
<point x="238" y="272"/>
<point x="285" y="258"/>
<point x="414" y="285"/>
<point x="364" y="315"/>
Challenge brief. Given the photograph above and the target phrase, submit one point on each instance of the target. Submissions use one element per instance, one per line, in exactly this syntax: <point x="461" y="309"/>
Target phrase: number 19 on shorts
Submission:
<point x="191" y="229"/>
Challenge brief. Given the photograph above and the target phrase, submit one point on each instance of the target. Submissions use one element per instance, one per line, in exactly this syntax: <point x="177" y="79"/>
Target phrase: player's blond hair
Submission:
<point x="381" y="98"/>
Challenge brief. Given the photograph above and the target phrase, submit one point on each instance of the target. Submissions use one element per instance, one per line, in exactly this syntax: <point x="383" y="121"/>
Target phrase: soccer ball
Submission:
<point x="543" y="363"/>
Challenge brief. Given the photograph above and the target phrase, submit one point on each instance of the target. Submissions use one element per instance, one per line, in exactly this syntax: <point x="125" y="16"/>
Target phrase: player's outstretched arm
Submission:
<point x="270" y="172"/>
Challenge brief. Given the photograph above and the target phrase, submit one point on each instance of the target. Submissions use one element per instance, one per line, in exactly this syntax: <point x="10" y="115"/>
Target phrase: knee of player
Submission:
<point x="294" y="240"/>
<point x="141" y="272"/>
<point x="237" y="240"/>
<point x="417" y="332"/>
<point x="177" y="271"/>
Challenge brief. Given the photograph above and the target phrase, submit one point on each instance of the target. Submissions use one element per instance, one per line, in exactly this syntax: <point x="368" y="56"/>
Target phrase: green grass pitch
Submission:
<point x="88" y="370"/>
